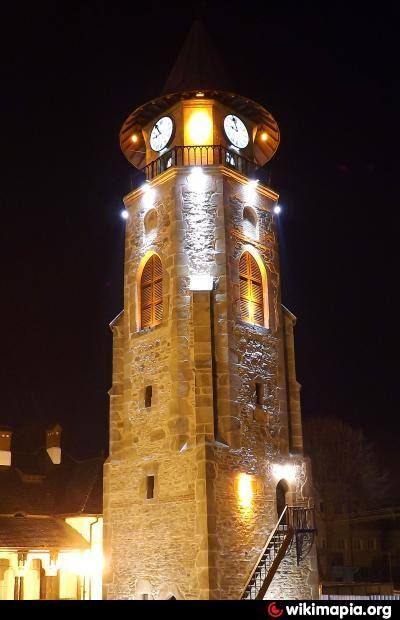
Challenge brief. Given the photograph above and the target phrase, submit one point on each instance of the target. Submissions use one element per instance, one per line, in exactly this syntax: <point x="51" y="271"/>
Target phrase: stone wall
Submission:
<point x="162" y="542"/>
<point x="295" y="582"/>
<point x="196" y="538"/>
<point x="253" y="436"/>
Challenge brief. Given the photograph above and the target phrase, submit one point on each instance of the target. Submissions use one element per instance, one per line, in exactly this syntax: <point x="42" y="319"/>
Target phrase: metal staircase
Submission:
<point x="294" y="523"/>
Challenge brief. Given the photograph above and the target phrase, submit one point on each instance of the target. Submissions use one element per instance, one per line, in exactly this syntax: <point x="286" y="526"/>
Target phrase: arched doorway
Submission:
<point x="282" y="489"/>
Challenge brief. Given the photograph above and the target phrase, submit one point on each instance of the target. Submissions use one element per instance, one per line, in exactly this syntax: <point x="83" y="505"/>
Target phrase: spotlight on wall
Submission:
<point x="197" y="179"/>
<point x="124" y="214"/>
<point x="264" y="136"/>
<point x="245" y="490"/>
<point x="253" y="182"/>
<point x="201" y="282"/>
<point x="146" y="187"/>
<point x="277" y="209"/>
<point x="149" y="195"/>
<point x="286" y="471"/>
<point x="134" y="138"/>
<point x="250" y="191"/>
<point x="149" y="198"/>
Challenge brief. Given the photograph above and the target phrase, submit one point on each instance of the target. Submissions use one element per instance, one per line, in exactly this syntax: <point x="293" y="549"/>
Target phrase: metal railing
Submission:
<point x="294" y="522"/>
<point x="268" y="560"/>
<point x="209" y="155"/>
<point x="301" y="519"/>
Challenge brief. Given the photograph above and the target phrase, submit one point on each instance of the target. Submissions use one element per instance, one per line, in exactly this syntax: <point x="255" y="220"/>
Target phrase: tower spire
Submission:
<point x="198" y="64"/>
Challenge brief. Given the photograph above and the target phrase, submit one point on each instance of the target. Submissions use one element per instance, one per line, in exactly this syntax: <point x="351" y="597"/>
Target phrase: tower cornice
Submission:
<point x="172" y="173"/>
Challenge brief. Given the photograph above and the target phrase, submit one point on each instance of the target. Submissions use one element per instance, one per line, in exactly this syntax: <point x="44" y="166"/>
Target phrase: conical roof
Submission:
<point x="198" y="65"/>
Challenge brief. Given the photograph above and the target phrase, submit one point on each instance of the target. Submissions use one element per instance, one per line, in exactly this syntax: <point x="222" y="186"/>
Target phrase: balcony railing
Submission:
<point x="301" y="519"/>
<point x="302" y="522"/>
<point x="212" y="155"/>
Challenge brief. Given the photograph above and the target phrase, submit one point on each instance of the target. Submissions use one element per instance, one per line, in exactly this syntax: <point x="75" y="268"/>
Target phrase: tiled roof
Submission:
<point x="36" y="533"/>
<point x="35" y="486"/>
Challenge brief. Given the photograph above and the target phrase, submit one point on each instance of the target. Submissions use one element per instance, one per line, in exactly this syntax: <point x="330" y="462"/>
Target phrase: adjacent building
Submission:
<point x="359" y="554"/>
<point x="50" y="522"/>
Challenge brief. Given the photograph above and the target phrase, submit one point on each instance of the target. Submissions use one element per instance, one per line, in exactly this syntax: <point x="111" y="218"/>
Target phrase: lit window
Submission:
<point x="151" y="291"/>
<point x="150" y="487"/>
<point x="251" y="290"/>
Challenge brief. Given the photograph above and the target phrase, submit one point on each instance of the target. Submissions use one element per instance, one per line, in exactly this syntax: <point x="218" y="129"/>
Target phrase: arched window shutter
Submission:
<point x="251" y="290"/>
<point x="151" y="292"/>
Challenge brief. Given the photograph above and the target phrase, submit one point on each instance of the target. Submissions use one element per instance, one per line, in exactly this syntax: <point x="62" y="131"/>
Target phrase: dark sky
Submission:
<point x="70" y="75"/>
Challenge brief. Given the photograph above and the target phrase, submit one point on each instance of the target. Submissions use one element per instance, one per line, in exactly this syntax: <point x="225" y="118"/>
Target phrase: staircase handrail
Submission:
<point x="270" y="537"/>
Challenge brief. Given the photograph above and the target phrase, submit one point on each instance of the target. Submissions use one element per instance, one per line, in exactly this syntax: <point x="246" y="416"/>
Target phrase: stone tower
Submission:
<point x="205" y="423"/>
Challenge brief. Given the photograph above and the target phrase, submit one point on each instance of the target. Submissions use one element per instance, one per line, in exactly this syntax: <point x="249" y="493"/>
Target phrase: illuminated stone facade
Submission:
<point x="194" y="539"/>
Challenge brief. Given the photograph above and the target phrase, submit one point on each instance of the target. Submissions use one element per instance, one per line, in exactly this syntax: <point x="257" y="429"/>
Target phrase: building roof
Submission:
<point x="35" y="486"/>
<point x="39" y="533"/>
<point x="198" y="65"/>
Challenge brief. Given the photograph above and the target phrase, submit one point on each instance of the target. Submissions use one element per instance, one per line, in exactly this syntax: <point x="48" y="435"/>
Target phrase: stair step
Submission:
<point x="266" y="563"/>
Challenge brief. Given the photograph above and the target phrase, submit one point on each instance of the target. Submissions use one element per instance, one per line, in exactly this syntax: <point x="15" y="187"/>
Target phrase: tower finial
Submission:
<point x="198" y="64"/>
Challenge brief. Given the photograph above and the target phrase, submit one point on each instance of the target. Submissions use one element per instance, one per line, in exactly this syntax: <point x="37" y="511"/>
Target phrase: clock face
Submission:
<point x="236" y="131"/>
<point x="161" y="133"/>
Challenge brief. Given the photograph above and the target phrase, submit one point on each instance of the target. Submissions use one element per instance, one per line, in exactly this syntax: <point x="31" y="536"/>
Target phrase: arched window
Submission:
<point x="251" y="290"/>
<point x="151" y="293"/>
<point x="250" y="222"/>
<point x="150" y="221"/>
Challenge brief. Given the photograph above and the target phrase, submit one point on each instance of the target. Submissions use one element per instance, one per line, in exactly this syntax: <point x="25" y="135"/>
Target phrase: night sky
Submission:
<point x="70" y="75"/>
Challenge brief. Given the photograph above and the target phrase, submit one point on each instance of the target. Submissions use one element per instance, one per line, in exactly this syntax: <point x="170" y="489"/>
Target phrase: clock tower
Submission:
<point x="207" y="493"/>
